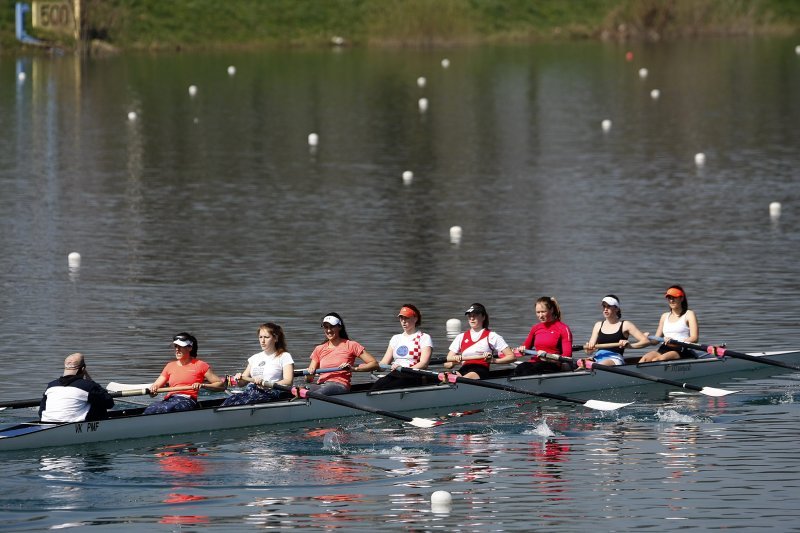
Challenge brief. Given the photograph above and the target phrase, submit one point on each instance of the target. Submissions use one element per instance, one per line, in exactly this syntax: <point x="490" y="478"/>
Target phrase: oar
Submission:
<point x="305" y="393"/>
<point x="708" y="391"/>
<point x="719" y="351"/>
<point x="605" y="346"/>
<point x="455" y="378"/>
<point x="35" y="402"/>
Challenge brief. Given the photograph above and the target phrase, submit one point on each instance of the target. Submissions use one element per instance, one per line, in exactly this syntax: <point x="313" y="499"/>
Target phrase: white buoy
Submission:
<point x="445" y="63"/>
<point x="699" y="159"/>
<point x="313" y="139"/>
<point x="797" y="49"/>
<point x="655" y="94"/>
<point x="421" y="81"/>
<point x="775" y="210"/>
<point x="231" y="70"/>
<point x="643" y="73"/>
<point x="192" y="90"/>
<point x="74" y="260"/>
<point x="196" y="120"/>
<point x="131" y="115"/>
<point x="408" y="177"/>
<point x="453" y="328"/>
<point x="606" y="125"/>
<point x="21" y="77"/>
<point x="441" y="501"/>
<point x="455" y="234"/>
<point x="423" y="105"/>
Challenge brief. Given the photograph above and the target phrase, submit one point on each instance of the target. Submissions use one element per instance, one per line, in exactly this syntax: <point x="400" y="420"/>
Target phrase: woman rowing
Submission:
<point x="679" y="323"/>
<point x="612" y="330"/>
<point x="186" y="370"/>
<point x="273" y="364"/>
<point x="337" y="350"/>
<point x="410" y="349"/>
<point x="476" y="347"/>
<point x="550" y="335"/>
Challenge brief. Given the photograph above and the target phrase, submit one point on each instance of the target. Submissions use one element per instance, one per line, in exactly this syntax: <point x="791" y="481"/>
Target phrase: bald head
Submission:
<point x="73" y="364"/>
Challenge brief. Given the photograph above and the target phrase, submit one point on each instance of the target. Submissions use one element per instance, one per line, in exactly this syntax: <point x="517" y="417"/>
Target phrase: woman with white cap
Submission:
<point x="613" y="330"/>
<point x="410" y="349"/>
<point x="679" y="323"/>
<point x="476" y="347"/>
<point x="337" y="351"/>
<point x="185" y="370"/>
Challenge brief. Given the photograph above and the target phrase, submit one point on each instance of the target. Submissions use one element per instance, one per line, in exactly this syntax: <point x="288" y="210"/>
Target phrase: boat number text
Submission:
<point x="683" y="367"/>
<point x="90" y="427"/>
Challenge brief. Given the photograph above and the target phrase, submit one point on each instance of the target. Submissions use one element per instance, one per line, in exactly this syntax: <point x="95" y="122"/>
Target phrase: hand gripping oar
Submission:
<point x="708" y="391"/>
<point x="35" y="402"/>
<point x="305" y="393"/>
<point x="719" y="351"/>
<point x="455" y="378"/>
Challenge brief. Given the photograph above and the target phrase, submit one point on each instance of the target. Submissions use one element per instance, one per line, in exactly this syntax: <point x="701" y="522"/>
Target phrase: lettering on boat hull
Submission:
<point x="683" y="367"/>
<point x="90" y="427"/>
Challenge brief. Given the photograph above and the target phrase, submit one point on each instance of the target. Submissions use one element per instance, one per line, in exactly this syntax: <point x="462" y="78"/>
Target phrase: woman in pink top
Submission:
<point x="337" y="351"/>
<point x="187" y="370"/>
<point x="550" y="335"/>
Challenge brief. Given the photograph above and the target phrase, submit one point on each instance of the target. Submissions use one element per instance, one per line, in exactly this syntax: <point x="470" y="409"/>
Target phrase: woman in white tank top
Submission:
<point x="680" y="323"/>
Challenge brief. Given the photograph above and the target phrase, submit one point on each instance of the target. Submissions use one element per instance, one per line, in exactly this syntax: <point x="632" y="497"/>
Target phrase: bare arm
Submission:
<point x="369" y="364"/>
<point x="508" y="356"/>
<point x="694" y="327"/>
<point x="387" y="357"/>
<point x="214" y="382"/>
<point x="288" y="375"/>
<point x="632" y="330"/>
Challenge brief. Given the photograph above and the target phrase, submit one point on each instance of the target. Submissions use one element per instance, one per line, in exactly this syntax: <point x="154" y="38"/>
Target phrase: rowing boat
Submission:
<point x="131" y="423"/>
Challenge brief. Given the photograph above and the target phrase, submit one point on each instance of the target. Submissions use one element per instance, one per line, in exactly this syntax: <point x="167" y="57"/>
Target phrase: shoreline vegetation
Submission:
<point x="173" y="25"/>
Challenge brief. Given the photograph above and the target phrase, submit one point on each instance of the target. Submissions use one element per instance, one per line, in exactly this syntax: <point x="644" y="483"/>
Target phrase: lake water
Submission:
<point x="211" y="214"/>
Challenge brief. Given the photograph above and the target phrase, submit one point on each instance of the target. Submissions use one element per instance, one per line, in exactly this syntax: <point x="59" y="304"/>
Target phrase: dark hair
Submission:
<point x="342" y="330"/>
<point x="416" y="312"/>
<point x="619" y="309"/>
<point x="190" y="337"/>
<point x="276" y="331"/>
<point x="552" y="305"/>
<point x="684" y="302"/>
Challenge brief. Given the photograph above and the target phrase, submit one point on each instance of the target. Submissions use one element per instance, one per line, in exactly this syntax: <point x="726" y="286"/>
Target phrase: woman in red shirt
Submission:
<point x="550" y="335"/>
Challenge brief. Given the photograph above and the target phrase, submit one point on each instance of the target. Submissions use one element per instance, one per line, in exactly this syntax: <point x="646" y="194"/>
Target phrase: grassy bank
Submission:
<point x="184" y="24"/>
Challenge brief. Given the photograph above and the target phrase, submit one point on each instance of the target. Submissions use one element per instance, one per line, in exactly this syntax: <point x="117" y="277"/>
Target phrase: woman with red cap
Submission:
<point x="679" y="323"/>
<point x="410" y="349"/>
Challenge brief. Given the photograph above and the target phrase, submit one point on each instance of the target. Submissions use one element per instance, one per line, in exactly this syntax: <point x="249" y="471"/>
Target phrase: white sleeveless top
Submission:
<point x="678" y="330"/>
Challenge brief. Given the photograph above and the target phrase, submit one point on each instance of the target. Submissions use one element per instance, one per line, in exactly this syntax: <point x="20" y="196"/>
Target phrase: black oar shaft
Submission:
<point x="719" y="351"/>
<point x="497" y="386"/>
<point x="305" y="393"/>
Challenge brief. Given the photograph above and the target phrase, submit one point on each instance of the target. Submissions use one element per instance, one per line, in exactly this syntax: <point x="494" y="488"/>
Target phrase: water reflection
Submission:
<point x="185" y="466"/>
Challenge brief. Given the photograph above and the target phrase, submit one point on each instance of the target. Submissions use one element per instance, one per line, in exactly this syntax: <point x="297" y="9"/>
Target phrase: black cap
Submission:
<point x="476" y="308"/>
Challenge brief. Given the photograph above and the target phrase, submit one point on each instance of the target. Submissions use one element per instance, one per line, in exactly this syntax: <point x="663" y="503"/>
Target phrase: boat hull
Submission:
<point x="130" y="424"/>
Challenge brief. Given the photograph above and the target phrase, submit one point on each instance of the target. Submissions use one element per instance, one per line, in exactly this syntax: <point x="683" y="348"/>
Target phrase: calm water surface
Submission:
<point x="211" y="214"/>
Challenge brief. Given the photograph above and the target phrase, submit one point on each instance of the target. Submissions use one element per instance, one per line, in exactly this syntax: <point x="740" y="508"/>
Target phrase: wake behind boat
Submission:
<point x="131" y="423"/>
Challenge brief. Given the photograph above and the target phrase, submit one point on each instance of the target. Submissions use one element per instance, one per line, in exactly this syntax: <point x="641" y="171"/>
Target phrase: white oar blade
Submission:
<point x="711" y="391"/>
<point x="605" y="406"/>
<point x="425" y="422"/>
<point x="117" y="387"/>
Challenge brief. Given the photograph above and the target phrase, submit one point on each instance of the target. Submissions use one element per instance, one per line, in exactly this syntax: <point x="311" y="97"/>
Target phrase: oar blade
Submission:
<point x="605" y="406"/>
<point x="711" y="391"/>
<point x="425" y="422"/>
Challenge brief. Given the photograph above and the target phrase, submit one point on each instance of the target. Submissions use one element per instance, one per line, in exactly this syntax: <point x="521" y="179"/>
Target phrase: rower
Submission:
<point x="475" y="347"/>
<point x="74" y="397"/>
